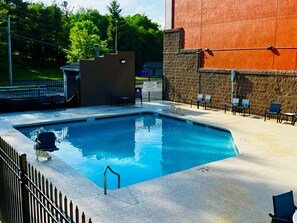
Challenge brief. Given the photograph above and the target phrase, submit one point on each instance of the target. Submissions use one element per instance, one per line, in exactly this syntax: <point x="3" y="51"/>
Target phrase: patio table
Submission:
<point x="286" y="116"/>
<point x="125" y="100"/>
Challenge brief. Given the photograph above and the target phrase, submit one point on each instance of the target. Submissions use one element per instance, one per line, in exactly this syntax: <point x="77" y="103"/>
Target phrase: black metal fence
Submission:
<point x="30" y="89"/>
<point x="27" y="196"/>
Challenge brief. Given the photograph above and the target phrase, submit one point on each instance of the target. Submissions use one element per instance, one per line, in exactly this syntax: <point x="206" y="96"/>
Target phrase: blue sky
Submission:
<point x="153" y="9"/>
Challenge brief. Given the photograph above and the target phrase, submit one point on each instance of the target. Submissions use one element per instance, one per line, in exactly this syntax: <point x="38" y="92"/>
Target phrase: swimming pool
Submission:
<point x="139" y="147"/>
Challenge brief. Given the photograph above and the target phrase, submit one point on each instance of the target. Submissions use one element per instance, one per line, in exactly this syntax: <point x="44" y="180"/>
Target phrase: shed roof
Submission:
<point x="71" y="67"/>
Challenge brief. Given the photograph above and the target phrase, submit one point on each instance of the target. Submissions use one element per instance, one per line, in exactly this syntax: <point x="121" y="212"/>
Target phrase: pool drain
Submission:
<point x="242" y="139"/>
<point x="204" y="169"/>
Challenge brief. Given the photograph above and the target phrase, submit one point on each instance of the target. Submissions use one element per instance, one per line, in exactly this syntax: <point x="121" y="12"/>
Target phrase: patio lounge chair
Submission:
<point x="45" y="142"/>
<point x="274" y="110"/>
<point x="207" y="100"/>
<point x="284" y="208"/>
<point x="175" y="110"/>
<point x="198" y="100"/>
<point x="58" y="102"/>
<point x="44" y="103"/>
<point x="245" y="104"/>
<point x="233" y="105"/>
<point x="115" y="100"/>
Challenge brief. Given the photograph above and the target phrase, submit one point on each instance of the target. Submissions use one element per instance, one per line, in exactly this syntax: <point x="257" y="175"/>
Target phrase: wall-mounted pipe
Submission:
<point x="233" y="75"/>
<point x="199" y="58"/>
<point x="253" y="48"/>
<point x="199" y="51"/>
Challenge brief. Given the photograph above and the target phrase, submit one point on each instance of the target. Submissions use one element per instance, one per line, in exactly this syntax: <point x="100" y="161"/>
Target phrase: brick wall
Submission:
<point x="173" y="44"/>
<point x="184" y="78"/>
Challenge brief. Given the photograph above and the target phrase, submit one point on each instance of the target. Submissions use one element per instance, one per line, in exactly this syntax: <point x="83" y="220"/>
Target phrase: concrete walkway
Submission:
<point x="237" y="189"/>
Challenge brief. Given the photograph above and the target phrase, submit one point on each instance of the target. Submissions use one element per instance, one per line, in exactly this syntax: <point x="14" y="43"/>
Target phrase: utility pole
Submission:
<point x="9" y="51"/>
<point x="116" y="38"/>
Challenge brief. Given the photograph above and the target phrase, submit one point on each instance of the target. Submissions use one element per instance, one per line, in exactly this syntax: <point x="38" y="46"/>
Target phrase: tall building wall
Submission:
<point x="239" y="32"/>
<point x="184" y="78"/>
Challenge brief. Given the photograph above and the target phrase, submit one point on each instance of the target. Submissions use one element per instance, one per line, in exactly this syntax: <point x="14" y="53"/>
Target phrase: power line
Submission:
<point x="35" y="40"/>
<point x="38" y="41"/>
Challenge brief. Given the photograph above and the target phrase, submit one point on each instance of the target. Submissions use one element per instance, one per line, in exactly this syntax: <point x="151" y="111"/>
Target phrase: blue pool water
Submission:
<point x="138" y="147"/>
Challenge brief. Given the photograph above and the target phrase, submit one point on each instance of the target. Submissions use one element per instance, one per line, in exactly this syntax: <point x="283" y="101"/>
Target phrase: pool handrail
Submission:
<point x="105" y="178"/>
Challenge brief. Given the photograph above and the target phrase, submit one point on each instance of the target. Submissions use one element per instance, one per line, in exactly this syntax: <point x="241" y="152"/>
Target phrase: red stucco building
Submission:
<point x="237" y="33"/>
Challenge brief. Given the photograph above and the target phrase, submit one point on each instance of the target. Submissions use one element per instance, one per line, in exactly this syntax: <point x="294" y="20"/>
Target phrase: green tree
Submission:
<point x="18" y="12"/>
<point x="101" y="21"/>
<point x="145" y="38"/>
<point x="114" y="9"/>
<point x="38" y="32"/>
<point x="42" y="33"/>
<point x="3" y="17"/>
<point x="83" y="36"/>
<point x="115" y="24"/>
<point x="47" y="28"/>
<point x="3" y="38"/>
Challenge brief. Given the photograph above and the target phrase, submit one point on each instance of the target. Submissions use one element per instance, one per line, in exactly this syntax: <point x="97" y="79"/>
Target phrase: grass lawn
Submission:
<point x="27" y="71"/>
<point x="140" y="80"/>
<point x="30" y="72"/>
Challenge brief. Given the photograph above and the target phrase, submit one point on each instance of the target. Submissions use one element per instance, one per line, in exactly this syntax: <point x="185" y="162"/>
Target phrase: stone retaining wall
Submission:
<point x="183" y="79"/>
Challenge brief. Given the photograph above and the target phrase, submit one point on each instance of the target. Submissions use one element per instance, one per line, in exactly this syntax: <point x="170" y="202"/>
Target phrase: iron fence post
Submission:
<point x="24" y="190"/>
<point x="1" y="184"/>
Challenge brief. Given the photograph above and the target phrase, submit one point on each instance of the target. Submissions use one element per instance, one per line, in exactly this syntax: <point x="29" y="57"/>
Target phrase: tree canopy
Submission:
<point x="54" y="33"/>
<point x="83" y="36"/>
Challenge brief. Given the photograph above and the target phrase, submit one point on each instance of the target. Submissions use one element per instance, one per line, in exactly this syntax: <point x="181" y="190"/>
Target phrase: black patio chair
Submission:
<point x="233" y="105"/>
<point x="284" y="208"/>
<point x="115" y="100"/>
<point x="198" y="100"/>
<point x="45" y="142"/>
<point x="245" y="105"/>
<point x="58" y="102"/>
<point x="273" y="110"/>
<point x="44" y="103"/>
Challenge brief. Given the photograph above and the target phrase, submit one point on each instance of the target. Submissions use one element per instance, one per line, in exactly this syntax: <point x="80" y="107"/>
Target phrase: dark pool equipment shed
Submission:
<point x="95" y="80"/>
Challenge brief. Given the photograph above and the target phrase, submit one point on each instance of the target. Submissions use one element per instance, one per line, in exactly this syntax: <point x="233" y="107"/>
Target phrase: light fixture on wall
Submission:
<point x="269" y="47"/>
<point x="122" y="61"/>
<point x="207" y="50"/>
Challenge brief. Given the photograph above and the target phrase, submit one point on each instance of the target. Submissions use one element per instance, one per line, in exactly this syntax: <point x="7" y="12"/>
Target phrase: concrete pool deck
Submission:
<point x="237" y="189"/>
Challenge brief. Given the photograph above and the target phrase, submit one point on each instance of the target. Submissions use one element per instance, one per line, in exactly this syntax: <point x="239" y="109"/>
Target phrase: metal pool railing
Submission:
<point x="105" y="178"/>
<point x="27" y="196"/>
